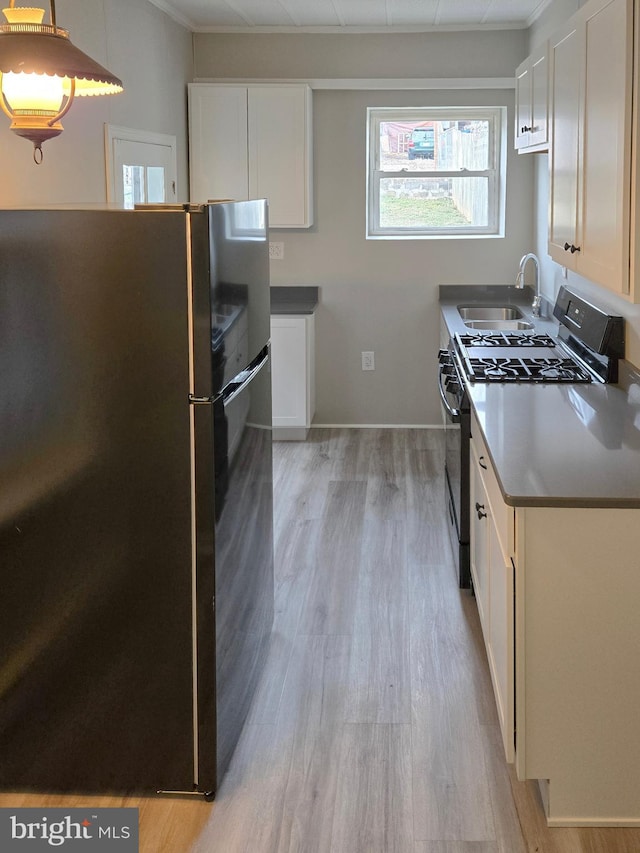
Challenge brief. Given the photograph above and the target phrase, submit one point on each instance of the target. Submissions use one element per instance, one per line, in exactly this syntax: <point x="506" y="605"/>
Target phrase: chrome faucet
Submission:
<point x="537" y="300"/>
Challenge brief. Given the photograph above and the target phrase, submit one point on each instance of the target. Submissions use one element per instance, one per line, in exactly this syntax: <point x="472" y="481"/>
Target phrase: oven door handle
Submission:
<point x="453" y="413"/>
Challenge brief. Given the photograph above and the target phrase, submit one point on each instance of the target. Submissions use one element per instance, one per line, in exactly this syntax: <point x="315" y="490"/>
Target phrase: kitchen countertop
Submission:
<point x="565" y="445"/>
<point x="294" y="300"/>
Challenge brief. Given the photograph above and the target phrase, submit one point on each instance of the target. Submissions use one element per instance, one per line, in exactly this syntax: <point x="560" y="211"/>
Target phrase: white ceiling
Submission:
<point x="357" y="15"/>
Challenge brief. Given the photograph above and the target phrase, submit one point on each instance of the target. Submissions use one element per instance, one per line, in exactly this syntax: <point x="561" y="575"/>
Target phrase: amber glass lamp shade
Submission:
<point x="41" y="72"/>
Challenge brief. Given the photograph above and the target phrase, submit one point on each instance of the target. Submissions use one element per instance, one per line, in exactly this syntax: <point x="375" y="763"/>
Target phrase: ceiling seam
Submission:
<point x="490" y="6"/>
<point x="338" y="13"/>
<point x="533" y="17"/>
<point x="239" y="13"/>
<point x="287" y="12"/>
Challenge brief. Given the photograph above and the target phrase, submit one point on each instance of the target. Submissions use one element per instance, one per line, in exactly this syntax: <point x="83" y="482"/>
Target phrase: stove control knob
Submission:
<point x="452" y="385"/>
<point x="444" y="356"/>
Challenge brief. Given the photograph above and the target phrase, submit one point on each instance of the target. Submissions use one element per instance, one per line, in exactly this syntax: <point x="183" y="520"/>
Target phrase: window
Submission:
<point x="141" y="166"/>
<point x="436" y="172"/>
<point x="142" y="185"/>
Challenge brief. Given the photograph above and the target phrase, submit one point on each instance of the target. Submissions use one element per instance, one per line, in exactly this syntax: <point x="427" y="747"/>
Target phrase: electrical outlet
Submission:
<point x="368" y="361"/>
<point x="276" y="251"/>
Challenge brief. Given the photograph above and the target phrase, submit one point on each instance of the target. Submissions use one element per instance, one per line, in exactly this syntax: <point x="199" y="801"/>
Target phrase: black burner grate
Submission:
<point x="505" y="339"/>
<point x="524" y="370"/>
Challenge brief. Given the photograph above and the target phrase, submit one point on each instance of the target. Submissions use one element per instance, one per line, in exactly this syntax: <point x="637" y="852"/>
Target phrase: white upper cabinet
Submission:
<point x="218" y="142"/>
<point x="590" y="164"/>
<point x="253" y="142"/>
<point x="566" y="53"/>
<point x="280" y="152"/>
<point x="532" y="97"/>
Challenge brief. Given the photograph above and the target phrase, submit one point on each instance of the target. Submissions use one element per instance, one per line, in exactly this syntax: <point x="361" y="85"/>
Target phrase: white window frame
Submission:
<point x="496" y="173"/>
<point x="114" y="134"/>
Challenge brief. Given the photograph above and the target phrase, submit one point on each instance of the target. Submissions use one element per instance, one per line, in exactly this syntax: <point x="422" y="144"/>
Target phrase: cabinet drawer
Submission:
<point x="503" y="515"/>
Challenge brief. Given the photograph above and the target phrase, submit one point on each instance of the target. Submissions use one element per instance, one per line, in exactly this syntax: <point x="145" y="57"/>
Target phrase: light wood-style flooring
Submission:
<point x="374" y="728"/>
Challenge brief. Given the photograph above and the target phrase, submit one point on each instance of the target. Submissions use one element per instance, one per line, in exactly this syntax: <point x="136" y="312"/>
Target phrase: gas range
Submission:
<point x="517" y="357"/>
<point x="587" y="348"/>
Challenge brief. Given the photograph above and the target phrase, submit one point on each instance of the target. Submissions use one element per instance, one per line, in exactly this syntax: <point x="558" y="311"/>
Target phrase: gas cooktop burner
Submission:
<point x="500" y="369"/>
<point x="504" y="339"/>
<point x="525" y="370"/>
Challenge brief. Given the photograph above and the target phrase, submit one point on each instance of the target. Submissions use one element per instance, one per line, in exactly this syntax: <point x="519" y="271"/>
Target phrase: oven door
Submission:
<point x="457" y="428"/>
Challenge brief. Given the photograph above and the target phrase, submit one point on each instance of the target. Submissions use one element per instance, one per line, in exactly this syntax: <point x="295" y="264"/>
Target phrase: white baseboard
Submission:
<point x="377" y="426"/>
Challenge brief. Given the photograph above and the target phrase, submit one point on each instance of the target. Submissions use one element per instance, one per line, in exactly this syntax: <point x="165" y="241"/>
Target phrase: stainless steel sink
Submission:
<point x="489" y="312"/>
<point x="499" y="325"/>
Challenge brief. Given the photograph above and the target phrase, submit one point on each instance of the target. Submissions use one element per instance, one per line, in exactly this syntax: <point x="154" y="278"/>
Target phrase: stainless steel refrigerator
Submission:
<point x="136" y="545"/>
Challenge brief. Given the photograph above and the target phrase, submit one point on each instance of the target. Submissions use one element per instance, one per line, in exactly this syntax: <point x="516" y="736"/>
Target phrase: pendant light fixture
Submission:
<point x="41" y="72"/>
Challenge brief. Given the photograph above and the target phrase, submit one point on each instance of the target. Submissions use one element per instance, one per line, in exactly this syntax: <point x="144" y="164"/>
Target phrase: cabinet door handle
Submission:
<point x="574" y="249"/>
<point x="481" y="463"/>
<point x="566" y="247"/>
<point x="479" y="508"/>
<point x="525" y="129"/>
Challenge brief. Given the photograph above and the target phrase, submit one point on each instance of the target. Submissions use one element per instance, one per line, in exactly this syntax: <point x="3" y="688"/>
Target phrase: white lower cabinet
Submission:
<point x="500" y="646"/>
<point x="492" y="572"/>
<point x="292" y="375"/>
<point x="558" y="591"/>
<point x="480" y="522"/>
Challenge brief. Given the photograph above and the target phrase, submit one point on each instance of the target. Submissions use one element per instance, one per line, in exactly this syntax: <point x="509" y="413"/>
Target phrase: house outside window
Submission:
<point x="436" y="172"/>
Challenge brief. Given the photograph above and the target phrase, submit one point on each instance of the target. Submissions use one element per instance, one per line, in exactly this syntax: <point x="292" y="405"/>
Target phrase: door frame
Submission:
<point x="129" y="134"/>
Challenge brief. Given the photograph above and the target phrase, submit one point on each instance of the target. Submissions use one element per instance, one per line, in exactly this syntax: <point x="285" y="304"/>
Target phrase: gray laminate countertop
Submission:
<point x="293" y="300"/>
<point x="569" y="445"/>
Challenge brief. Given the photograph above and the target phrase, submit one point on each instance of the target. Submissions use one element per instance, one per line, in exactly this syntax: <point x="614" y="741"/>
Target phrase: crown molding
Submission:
<point x="421" y="28"/>
<point x="373" y="84"/>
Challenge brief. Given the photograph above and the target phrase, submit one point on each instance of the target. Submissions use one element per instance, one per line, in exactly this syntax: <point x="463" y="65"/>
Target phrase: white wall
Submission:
<point x="551" y="273"/>
<point x="154" y="58"/>
<point x="379" y="295"/>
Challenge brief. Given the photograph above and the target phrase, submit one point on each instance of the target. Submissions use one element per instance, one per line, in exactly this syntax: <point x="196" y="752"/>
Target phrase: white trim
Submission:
<point x="495" y="173"/>
<point x="130" y="134"/>
<point x="347" y="30"/>
<point x="376" y="426"/>
<point x="374" y="83"/>
<point x="594" y="821"/>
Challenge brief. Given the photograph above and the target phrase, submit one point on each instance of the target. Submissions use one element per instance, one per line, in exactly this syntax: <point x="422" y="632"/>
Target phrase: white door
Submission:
<point x="141" y="167"/>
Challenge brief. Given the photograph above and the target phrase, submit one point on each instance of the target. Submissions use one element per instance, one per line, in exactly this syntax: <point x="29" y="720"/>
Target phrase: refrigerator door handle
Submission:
<point x="245" y="377"/>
